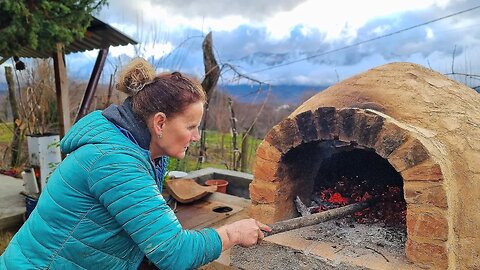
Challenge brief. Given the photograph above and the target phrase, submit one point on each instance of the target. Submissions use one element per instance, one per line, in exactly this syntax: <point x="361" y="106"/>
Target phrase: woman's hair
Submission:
<point x="169" y="93"/>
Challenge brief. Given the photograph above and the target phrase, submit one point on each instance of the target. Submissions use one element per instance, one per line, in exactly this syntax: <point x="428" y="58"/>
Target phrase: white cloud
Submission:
<point x="429" y="33"/>
<point x="340" y="18"/>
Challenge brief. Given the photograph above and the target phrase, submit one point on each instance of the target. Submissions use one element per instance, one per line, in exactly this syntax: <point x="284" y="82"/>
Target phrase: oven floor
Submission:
<point x="335" y="244"/>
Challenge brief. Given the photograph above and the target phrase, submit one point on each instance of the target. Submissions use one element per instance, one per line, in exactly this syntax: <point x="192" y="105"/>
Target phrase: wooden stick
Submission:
<point x="301" y="207"/>
<point x="300" y="222"/>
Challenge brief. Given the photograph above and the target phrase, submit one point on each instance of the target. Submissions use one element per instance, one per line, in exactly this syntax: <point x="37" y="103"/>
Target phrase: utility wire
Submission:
<point x="363" y="42"/>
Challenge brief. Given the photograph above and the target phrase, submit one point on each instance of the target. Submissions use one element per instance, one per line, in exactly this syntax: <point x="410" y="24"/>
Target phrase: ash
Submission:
<point x="354" y="239"/>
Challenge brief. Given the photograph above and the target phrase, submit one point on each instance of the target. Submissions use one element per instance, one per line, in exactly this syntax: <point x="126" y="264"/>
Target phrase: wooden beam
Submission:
<point x="3" y="59"/>
<point x="61" y="86"/>
<point x="92" y="84"/>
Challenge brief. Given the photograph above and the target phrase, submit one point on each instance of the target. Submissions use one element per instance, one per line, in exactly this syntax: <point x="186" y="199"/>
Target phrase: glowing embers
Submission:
<point x="390" y="207"/>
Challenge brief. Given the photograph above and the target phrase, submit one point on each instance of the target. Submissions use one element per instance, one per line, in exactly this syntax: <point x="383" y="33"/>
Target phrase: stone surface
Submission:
<point x="12" y="204"/>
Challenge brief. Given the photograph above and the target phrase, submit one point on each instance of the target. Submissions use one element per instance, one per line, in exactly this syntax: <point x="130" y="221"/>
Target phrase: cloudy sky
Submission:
<point x="309" y="42"/>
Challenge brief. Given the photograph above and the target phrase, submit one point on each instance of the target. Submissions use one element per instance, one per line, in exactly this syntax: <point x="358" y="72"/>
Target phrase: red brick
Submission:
<point x="326" y="122"/>
<point x="410" y="154"/>
<point x="265" y="192"/>
<point x="430" y="256"/>
<point x="425" y="171"/>
<point x="367" y="128"/>
<point x="271" y="213"/>
<point x="268" y="152"/>
<point x="265" y="170"/>
<point x="346" y="124"/>
<point x="284" y="136"/>
<point x="307" y="126"/>
<point x="390" y="138"/>
<point x="427" y="225"/>
<point x="425" y="193"/>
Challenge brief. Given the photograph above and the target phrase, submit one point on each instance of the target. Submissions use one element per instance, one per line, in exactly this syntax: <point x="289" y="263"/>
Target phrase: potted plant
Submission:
<point x="39" y="120"/>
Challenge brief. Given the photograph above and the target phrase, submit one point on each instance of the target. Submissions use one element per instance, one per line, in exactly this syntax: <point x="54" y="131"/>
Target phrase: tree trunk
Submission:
<point x="16" y="141"/>
<point x="244" y="152"/>
<point x="212" y="73"/>
<point x="233" y="122"/>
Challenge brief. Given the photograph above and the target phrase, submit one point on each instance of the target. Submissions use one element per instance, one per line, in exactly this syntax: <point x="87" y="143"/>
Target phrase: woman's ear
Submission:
<point x="159" y="120"/>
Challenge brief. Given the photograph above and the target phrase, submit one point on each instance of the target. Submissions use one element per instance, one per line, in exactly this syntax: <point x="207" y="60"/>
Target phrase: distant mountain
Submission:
<point x="285" y="94"/>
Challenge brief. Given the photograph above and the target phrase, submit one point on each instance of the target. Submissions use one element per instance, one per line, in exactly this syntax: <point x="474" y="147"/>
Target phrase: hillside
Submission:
<point x="283" y="94"/>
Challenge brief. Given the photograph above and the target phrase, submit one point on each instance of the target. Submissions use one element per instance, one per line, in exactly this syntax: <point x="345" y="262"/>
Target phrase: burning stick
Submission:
<point x="301" y="207"/>
<point x="313" y="219"/>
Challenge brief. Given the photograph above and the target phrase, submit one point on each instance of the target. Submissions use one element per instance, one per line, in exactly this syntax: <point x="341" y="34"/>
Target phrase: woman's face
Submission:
<point x="177" y="132"/>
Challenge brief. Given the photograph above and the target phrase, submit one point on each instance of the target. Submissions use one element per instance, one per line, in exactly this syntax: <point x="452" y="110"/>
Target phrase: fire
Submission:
<point x="390" y="208"/>
<point x="331" y="196"/>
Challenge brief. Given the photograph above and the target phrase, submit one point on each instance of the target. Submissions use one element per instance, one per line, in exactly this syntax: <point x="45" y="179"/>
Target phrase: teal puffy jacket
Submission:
<point x="102" y="209"/>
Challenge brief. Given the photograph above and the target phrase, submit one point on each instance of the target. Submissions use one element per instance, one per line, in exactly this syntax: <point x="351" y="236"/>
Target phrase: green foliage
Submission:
<point x="219" y="153"/>
<point x="41" y="24"/>
<point x="6" y="132"/>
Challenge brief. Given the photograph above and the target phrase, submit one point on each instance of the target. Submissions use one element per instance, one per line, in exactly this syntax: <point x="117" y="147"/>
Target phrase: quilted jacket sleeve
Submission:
<point x="125" y="186"/>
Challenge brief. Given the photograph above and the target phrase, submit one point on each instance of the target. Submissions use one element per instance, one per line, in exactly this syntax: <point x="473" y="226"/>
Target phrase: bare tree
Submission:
<point x="212" y="73"/>
<point x="474" y="78"/>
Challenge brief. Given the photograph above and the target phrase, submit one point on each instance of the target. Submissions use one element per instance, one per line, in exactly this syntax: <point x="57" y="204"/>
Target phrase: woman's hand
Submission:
<point x="245" y="232"/>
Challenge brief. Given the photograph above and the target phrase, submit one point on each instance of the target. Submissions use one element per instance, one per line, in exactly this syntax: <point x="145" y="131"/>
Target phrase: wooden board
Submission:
<point x="187" y="190"/>
<point x="201" y="214"/>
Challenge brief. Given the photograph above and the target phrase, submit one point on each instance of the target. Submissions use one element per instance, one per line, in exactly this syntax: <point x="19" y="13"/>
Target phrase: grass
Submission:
<point x="219" y="150"/>
<point x="219" y="153"/>
<point x="6" y="132"/>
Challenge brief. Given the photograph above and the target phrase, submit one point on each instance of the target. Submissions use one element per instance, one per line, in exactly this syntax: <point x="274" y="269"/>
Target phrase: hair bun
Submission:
<point x="134" y="76"/>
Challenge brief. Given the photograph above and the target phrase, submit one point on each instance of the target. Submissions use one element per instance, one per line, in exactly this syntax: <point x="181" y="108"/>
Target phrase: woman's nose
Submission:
<point x="196" y="136"/>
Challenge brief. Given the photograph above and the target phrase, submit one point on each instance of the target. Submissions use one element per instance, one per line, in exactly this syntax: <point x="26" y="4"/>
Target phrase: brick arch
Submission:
<point x="272" y="191"/>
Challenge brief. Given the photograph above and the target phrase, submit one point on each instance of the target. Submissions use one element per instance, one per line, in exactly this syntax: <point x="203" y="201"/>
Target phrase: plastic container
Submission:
<point x="30" y="181"/>
<point x="220" y="183"/>
<point x="176" y="174"/>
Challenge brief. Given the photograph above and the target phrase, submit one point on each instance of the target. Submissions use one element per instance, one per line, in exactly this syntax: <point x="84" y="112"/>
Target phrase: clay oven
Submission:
<point x="423" y="125"/>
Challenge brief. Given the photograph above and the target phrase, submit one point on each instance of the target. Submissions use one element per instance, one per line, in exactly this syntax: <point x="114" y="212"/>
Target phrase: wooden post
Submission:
<point x="61" y="87"/>
<point x="233" y="122"/>
<point x="16" y="145"/>
<point x="3" y="60"/>
<point x="244" y="152"/>
<point x="92" y="84"/>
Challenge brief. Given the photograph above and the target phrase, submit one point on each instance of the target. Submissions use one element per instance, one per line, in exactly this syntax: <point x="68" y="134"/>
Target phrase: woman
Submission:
<point x="102" y="207"/>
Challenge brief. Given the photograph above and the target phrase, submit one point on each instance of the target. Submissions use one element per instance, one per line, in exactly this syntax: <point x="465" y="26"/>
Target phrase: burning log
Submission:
<point x="313" y="219"/>
<point x="301" y="207"/>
